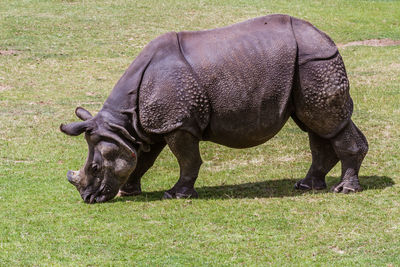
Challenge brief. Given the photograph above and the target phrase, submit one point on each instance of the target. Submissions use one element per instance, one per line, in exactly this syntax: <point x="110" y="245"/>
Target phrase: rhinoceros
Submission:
<point x="235" y="86"/>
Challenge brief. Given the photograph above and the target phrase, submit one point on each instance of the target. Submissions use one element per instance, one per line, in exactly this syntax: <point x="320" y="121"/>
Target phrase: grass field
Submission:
<point x="56" y="55"/>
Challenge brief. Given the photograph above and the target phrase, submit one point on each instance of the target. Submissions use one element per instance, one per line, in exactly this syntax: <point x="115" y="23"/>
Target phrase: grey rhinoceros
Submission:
<point x="235" y="86"/>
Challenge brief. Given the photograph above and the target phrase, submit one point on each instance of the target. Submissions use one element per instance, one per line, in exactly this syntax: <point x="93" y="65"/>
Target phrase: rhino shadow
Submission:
<point x="267" y="189"/>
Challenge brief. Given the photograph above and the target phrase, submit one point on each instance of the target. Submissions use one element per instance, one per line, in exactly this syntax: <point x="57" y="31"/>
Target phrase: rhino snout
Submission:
<point x="73" y="177"/>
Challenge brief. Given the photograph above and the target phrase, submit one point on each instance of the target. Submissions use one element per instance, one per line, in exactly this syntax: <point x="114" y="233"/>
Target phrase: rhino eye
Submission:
<point x="95" y="167"/>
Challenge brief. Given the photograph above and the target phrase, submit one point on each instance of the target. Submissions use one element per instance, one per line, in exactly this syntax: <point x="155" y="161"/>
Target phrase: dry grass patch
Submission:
<point x="372" y="42"/>
<point x="8" y="52"/>
<point x="4" y="87"/>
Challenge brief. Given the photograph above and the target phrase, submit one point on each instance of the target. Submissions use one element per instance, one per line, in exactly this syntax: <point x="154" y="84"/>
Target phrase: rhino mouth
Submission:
<point x="93" y="194"/>
<point x="103" y="193"/>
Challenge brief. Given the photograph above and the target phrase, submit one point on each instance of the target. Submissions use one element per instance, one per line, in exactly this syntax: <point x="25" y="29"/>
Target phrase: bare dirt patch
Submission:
<point x="4" y="87"/>
<point x="372" y="42"/>
<point x="8" y="52"/>
<point x="17" y="161"/>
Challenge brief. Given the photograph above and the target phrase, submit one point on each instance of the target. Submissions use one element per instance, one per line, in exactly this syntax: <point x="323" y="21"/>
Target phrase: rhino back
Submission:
<point x="247" y="72"/>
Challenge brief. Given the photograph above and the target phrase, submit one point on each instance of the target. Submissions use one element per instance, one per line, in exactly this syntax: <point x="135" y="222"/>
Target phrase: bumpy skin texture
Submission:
<point x="170" y="96"/>
<point x="322" y="96"/>
<point x="247" y="71"/>
<point x="237" y="86"/>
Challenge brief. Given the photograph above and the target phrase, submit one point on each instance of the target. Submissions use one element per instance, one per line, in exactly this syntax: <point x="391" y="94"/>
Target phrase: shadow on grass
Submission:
<point x="267" y="189"/>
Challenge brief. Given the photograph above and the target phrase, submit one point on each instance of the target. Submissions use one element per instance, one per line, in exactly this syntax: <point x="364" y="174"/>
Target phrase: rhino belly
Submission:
<point x="246" y="127"/>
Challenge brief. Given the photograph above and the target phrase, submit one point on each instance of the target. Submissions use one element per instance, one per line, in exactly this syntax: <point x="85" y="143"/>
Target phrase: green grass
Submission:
<point x="70" y="53"/>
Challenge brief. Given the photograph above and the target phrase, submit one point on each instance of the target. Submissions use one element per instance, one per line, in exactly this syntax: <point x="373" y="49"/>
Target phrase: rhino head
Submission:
<point x="111" y="159"/>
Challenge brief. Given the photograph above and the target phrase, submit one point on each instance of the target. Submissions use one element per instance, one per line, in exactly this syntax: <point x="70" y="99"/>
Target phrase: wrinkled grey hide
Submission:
<point x="236" y="86"/>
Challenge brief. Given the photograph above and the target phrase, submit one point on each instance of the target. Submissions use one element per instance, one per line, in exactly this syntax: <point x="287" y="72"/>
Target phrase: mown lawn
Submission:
<point x="56" y="55"/>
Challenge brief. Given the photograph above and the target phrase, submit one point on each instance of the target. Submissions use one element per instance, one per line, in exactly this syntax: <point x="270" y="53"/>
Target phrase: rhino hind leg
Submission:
<point x="324" y="159"/>
<point x="321" y="96"/>
<point x="185" y="147"/>
<point x="351" y="146"/>
<point x="323" y="104"/>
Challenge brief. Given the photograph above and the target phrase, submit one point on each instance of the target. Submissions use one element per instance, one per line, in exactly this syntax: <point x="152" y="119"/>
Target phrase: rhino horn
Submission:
<point x="83" y="114"/>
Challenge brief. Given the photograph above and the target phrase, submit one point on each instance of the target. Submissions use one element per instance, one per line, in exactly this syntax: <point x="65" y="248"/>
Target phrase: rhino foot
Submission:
<point x="129" y="190"/>
<point x="346" y="186"/>
<point x="180" y="193"/>
<point x="310" y="184"/>
<point x="122" y="193"/>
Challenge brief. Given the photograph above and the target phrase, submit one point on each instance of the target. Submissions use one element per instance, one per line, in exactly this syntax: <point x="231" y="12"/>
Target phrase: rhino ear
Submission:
<point x="75" y="128"/>
<point x="83" y="114"/>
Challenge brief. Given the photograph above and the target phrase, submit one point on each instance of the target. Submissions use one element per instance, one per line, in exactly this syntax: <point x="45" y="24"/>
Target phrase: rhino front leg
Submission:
<point x="351" y="146"/>
<point x="145" y="161"/>
<point x="324" y="159"/>
<point x="185" y="147"/>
